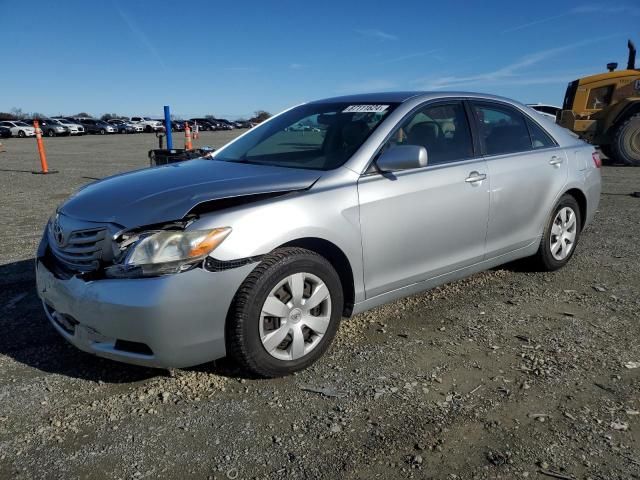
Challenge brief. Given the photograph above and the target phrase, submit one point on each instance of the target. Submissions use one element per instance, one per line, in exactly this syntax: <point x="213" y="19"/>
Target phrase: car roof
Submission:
<point x="392" y="97"/>
<point x="401" y="97"/>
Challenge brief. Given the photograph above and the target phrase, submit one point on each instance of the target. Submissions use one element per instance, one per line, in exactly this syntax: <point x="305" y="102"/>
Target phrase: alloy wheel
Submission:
<point x="563" y="233"/>
<point x="295" y="316"/>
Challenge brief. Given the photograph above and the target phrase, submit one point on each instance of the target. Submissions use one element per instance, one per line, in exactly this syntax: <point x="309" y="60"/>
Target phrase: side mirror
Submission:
<point x="402" y="157"/>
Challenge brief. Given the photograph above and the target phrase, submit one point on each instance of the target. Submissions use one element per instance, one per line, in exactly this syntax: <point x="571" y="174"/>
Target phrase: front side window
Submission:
<point x="501" y="129"/>
<point x="442" y="129"/>
<point x="317" y="136"/>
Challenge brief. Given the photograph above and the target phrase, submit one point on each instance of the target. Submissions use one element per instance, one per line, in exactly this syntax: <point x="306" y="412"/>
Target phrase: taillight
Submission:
<point x="597" y="161"/>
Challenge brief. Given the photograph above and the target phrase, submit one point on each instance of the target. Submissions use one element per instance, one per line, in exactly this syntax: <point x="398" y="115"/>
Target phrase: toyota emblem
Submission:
<point x="58" y="234"/>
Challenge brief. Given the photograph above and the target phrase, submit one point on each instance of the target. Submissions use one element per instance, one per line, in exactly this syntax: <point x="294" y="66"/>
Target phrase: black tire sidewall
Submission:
<point x="249" y="314"/>
<point x="622" y="138"/>
<point x="544" y="253"/>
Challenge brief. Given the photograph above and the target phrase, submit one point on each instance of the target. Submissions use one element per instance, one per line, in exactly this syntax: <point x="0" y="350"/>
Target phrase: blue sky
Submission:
<point x="230" y="58"/>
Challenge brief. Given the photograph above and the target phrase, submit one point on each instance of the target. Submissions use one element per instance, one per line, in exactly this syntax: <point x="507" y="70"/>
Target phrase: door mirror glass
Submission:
<point x="402" y="157"/>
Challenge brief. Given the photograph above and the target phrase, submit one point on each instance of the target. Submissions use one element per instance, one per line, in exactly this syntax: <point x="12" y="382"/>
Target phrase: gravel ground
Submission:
<point x="508" y="374"/>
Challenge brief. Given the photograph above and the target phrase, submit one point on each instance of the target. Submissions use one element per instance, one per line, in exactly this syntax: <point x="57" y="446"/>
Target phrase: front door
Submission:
<point x="422" y="223"/>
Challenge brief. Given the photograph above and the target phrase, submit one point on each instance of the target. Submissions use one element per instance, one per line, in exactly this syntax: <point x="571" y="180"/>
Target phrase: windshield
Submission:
<point x="22" y="124"/>
<point x="319" y="136"/>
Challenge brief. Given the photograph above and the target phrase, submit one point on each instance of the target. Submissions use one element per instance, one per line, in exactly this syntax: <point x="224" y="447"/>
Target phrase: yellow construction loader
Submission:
<point x="604" y="109"/>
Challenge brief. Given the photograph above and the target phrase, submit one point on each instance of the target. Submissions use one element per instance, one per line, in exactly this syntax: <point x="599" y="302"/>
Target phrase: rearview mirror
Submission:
<point x="402" y="157"/>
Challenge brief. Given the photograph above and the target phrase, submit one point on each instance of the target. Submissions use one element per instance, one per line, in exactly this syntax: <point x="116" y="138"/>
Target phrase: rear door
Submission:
<point x="421" y="223"/>
<point x="527" y="171"/>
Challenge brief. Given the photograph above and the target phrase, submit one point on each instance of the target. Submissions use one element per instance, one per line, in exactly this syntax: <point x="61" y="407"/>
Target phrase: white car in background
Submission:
<point x="74" y="128"/>
<point x="147" y="124"/>
<point x="549" y="111"/>
<point x="19" y="128"/>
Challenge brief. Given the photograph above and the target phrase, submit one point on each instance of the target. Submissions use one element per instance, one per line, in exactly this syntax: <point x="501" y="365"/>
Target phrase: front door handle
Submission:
<point x="475" y="177"/>
<point x="555" y="160"/>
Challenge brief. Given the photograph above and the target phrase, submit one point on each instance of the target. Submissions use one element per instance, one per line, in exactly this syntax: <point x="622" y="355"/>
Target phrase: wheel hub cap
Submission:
<point x="563" y="233"/>
<point x="295" y="316"/>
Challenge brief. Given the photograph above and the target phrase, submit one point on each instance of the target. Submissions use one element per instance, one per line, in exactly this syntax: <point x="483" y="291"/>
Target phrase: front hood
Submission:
<point x="167" y="193"/>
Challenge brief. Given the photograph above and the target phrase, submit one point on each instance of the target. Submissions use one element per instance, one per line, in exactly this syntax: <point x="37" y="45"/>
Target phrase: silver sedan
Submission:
<point x="260" y="250"/>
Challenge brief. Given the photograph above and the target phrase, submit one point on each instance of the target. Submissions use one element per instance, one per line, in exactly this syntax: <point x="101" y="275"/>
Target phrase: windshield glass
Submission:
<point x="22" y="124"/>
<point x="320" y="136"/>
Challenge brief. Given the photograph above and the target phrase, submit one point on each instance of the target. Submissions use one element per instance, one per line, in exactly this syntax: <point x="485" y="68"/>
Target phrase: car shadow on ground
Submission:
<point x="30" y="339"/>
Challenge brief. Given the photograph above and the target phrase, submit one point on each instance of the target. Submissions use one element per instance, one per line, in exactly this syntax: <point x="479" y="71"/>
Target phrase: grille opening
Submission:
<point x="82" y="250"/>
<point x="132" y="347"/>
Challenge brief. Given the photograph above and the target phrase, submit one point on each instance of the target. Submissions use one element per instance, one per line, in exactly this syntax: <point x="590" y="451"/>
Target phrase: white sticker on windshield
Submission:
<point x="365" y="108"/>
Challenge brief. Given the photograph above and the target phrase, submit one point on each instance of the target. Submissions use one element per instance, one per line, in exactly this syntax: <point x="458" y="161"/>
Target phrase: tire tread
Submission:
<point x="238" y="312"/>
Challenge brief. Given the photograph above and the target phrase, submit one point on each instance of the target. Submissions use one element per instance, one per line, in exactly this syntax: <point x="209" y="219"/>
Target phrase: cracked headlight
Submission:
<point x="166" y="252"/>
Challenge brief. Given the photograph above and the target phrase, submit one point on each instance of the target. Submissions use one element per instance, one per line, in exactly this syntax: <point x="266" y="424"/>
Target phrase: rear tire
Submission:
<point x="560" y="236"/>
<point x="269" y="331"/>
<point x="626" y="141"/>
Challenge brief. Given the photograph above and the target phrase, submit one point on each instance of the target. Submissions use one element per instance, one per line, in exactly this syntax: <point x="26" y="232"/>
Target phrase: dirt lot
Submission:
<point x="509" y="374"/>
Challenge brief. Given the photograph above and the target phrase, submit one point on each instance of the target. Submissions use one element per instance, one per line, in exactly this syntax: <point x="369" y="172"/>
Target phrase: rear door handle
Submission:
<point x="475" y="177"/>
<point x="555" y="160"/>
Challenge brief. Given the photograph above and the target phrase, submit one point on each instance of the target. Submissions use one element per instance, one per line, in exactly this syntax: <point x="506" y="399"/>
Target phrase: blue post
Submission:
<point x="167" y="126"/>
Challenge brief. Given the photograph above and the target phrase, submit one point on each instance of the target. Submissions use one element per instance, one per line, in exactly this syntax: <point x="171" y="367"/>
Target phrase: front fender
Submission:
<point x="328" y="211"/>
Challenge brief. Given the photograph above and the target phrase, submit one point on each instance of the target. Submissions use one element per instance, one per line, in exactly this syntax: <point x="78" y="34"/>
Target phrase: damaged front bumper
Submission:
<point x="169" y="321"/>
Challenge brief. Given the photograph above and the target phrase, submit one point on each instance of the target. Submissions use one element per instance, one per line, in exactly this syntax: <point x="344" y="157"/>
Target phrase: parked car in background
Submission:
<point x="148" y="124"/>
<point x="91" y="125"/>
<point x="259" y="251"/>
<point x="19" y="128"/>
<point x="73" y="127"/>
<point x="204" y="124"/>
<point x="177" y="125"/>
<point x="52" y="127"/>
<point x="546" y="110"/>
<point x="5" y="132"/>
<point x="226" y="124"/>
<point x="124" y="126"/>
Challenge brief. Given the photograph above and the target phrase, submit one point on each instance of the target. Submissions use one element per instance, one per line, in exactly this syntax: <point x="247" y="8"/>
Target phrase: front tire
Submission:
<point x="560" y="237"/>
<point x="51" y="133"/>
<point x="21" y="134"/>
<point x="626" y="141"/>
<point x="285" y="314"/>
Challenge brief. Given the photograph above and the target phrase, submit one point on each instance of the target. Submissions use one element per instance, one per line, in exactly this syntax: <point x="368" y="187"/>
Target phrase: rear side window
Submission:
<point x="501" y="129"/>
<point x="539" y="138"/>
<point x="443" y="129"/>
